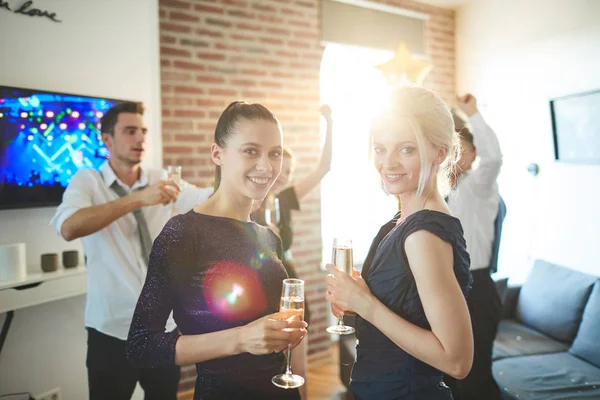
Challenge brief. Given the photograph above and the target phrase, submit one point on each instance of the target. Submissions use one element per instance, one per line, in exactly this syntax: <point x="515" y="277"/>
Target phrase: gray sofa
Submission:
<point x="548" y="344"/>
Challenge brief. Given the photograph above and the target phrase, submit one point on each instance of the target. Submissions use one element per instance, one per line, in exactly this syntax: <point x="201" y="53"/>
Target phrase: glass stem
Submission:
<point x="341" y="320"/>
<point x="288" y="369"/>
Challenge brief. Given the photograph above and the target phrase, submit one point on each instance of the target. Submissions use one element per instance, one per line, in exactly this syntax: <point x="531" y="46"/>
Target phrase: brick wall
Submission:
<point x="217" y="51"/>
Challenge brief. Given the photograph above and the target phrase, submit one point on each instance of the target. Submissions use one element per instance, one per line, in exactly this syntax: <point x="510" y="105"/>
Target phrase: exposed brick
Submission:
<point x="298" y="44"/>
<point x="211" y="56"/>
<point x="254" y="72"/>
<point x="208" y="9"/>
<point x="281" y="74"/>
<point x="288" y="54"/>
<point x="307" y="35"/>
<point x="169" y="76"/>
<point x="243" y="38"/>
<point x="218" y="22"/>
<point x="184" y="5"/>
<point x="210" y="79"/>
<point x="271" y="62"/>
<point x="188" y="89"/>
<point x="243" y="82"/>
<point x="189" y="65"/>
<point x="178" y="125"/>
<point x="295" y="22"/>
<point x="279" y="31"/>
<point x="189" y="113"/>
<point x="237" y="3"/>
<point x="168" y="27"/>
<point x="182" y="17"/>
<point x="270" y="40"/>
<point x="209" y="103"/>
<point x="178" y="149"/>
<point x="253" y="94"/>
<point x="263" y="8"/>
<point x="271" y="84"/>
<point x="241" y="14"/>
<point x="164" y="39"/>
<point x="270" y="18"/>
<point x="190" y="137"/>
<point x="171" y="51"/>
<point x="227" y="47"/>
<point x="208" y="32"/>
<point x="291" y="11"/>
<point x="222" y="92"/>
<point x="248" y="27"/>
<point x="194" y="43"/>
<point x="306" y="4"/>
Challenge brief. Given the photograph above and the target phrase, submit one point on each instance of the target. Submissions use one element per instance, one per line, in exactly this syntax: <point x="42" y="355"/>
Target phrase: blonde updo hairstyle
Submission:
<point x="431" y="120"/>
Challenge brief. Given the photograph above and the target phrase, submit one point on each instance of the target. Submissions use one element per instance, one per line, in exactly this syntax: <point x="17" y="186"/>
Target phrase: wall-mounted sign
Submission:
<point x="28" y="9"/>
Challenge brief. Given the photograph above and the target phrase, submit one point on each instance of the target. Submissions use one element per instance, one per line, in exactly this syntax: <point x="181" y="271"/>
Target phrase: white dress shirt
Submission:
<point x="474" y="200"/>
<point x="116" y="268"/>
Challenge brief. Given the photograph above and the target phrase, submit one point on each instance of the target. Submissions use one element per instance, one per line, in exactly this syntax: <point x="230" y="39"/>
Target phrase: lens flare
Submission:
<point x="233" y="291"/>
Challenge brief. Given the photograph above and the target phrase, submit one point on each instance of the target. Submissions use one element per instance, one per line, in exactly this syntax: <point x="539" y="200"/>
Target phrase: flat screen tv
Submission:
<point x="45" y="137"/>
<point x="576" y="127"/>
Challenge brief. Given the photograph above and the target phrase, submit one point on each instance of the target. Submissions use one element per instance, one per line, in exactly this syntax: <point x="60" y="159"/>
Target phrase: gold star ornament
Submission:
<point x="404" y="67"/>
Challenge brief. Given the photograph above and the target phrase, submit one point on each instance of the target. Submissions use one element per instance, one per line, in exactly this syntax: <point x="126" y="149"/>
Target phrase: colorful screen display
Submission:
<point x="45" y="138"/>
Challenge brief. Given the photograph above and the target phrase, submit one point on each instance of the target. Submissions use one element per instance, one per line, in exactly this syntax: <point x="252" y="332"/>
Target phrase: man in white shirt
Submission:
<point x="474" y="201"/>
<point x="117" y="212"/>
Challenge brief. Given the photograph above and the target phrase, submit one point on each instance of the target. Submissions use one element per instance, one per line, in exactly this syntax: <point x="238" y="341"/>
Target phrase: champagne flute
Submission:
<point x="342" y="259"/>
<point x="174" y="173"/>
<point x="291" y="309"/>
<point x="272" y="210"/>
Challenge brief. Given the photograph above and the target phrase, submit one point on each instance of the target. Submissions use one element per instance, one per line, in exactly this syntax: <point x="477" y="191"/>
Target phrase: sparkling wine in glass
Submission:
<point x="342" y="259"/>
<point x="271" y="210"/>
<point x="291" y="308"/>
<point x="174" y="173"/>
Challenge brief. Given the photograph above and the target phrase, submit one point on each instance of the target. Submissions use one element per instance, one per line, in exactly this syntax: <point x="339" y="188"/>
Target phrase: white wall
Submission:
<point x="516" y="55"/>
<point x="105" y="48"/>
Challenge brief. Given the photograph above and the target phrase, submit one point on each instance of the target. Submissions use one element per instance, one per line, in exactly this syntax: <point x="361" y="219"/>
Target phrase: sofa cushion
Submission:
<point x="501" y="285"/>
<point x="515" y="339"/>
<point x="586" y="344"/>
<point x="547" y="376"/>
<point x="552" y="300"/>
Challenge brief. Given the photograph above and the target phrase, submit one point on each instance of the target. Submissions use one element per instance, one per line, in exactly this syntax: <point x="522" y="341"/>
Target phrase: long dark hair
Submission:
<point x="228" y="120"/>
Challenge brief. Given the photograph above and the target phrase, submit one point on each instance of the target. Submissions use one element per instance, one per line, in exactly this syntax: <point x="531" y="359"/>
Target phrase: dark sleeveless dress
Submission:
<point x="384" y="371"/>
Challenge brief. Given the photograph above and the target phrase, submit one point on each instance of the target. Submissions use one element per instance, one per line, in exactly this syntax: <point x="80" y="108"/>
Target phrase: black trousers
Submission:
<point x="111" y="377"/>
<point x="485" y="308"/>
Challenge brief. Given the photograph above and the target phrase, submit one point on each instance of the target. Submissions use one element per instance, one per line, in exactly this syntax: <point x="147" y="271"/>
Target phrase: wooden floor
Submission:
<point x="323" y="379"/>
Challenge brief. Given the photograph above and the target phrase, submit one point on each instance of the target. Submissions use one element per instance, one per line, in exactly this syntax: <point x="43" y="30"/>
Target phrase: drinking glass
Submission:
<point x="291" y="309"/>
<point x="174" y="173"/>
<point x="342" y="259"/>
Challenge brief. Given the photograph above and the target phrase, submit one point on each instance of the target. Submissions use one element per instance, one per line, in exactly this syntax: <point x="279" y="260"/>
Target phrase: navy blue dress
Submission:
<point x="214" y="273"/>
<point x="383" y="370"/>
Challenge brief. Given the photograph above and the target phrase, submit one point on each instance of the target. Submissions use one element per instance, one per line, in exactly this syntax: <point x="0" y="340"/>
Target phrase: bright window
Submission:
<point x="353" y="204"/>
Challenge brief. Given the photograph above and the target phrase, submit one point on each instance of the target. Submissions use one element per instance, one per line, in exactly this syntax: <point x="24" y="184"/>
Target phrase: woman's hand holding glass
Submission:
<point x="347" y="293"/>
<point x="271" y="334"/>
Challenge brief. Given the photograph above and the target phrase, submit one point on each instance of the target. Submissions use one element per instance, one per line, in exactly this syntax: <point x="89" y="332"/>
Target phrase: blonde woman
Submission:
<point x="413" y="324"/>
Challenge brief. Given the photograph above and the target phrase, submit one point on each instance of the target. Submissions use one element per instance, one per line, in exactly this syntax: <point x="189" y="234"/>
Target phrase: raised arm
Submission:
<point x="485" y="141"/>
<point x="309" y="182"/>
<point x="448" y="346"/>
<point x="148" y="345"/>
<point x="76" y="217"/>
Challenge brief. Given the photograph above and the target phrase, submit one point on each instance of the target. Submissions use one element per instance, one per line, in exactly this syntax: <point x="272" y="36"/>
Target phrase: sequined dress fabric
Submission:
<point x="213" y="273"/>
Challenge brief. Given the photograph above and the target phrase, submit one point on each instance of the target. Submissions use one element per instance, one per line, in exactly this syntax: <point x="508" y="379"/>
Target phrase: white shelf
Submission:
<point x="43" y="287"/>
